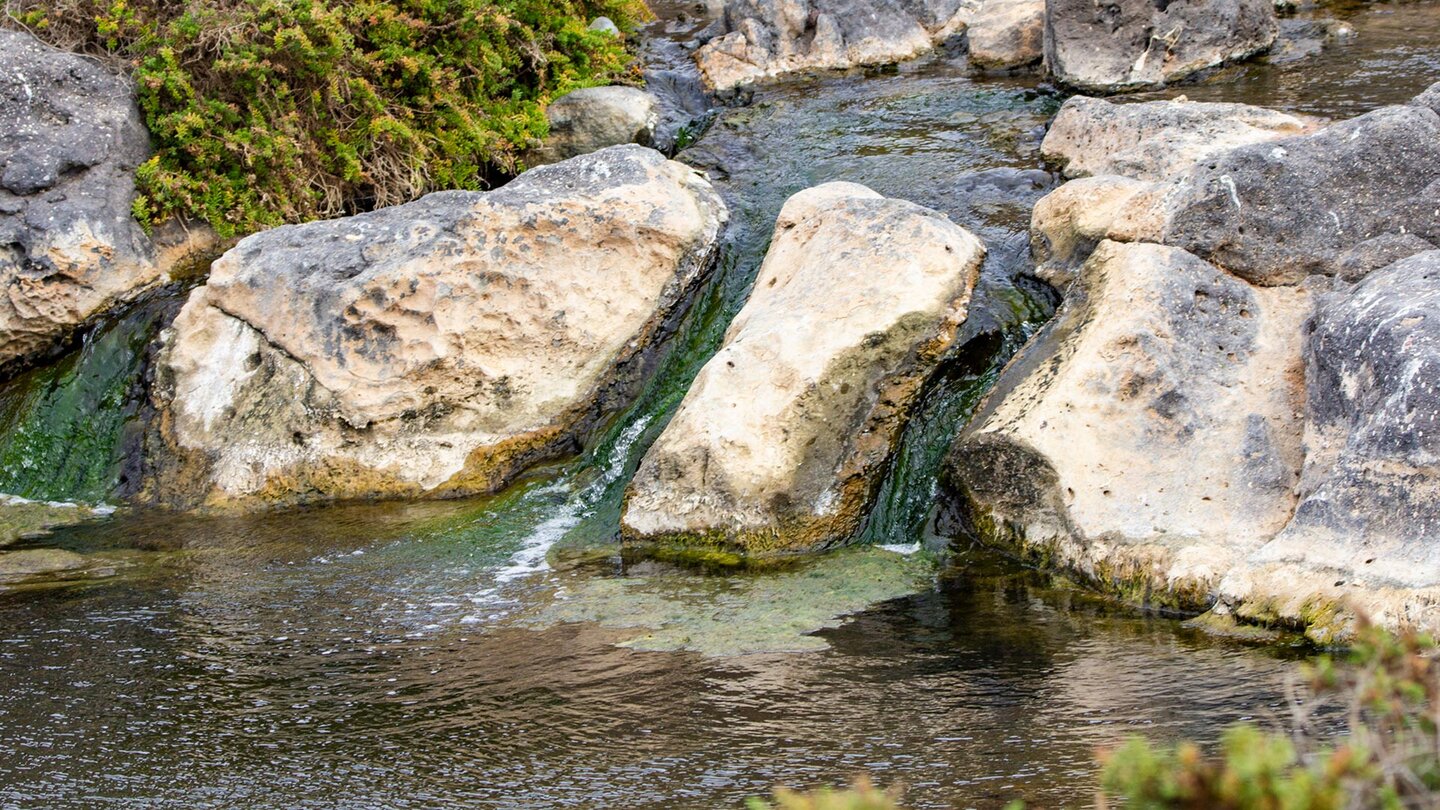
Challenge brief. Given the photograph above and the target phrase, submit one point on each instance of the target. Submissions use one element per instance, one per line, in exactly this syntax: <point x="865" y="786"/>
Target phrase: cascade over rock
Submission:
<point x="435" y="348"/>
<point x="780" y="442"/>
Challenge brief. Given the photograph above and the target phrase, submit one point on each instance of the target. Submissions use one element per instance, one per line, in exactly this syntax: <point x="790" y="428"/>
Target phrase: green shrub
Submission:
<point x="1390" y="690"/>
<point x="270" y="111"/>
<point x="861" y="796"/>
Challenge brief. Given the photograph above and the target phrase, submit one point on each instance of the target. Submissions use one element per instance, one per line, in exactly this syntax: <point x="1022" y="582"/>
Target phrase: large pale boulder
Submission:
<point x="761" y="39"/>
<point x="1157" y="140"/>
<point x="1276" y="212"/>
<point x="1067" y="223"/>
<point x="1150" y="438"/>
<point x="1007" y="34"/>
<point x="435" y="348"/>
<point x="592" y="118"/>
<point x="70" y="139"/>
<point x="781" y="440"/>
<point x="1366" y="533"/>
<point x="1132" y="44"/>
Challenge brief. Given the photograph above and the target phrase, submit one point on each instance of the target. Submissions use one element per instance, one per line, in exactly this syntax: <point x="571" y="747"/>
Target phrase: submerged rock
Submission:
<point x="1366" y="533"/>
<point x="780" y="442"/>
<point x="1274" y="213"/>
<point x="592" y="118"/>
<point x="1150" y="438"/>
<point x="21" y="517"/>
<point x="1157" y="140"/>
<point x="762" y="39"/>
<point x="435" y="348"/>
<point x="1007" y="34"/>
<point x="1133" y="44"/>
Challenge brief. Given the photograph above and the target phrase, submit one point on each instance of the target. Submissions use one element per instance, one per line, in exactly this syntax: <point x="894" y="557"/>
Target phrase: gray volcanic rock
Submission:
<point x="592" y="118"/>
<point x="765" y="38"/>
<point x="434" y="348"/>
<point x="1366" y="534"/>
<point x="1276" y="212"/>
<point x="70" y="139"/>
<point x="1132" y="44"/>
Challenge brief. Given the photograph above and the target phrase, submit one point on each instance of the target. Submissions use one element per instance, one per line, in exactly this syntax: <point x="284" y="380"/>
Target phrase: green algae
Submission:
<point x="20" y="519"/>
<point x="63" y="426"/>
<point x="737" y="614"/>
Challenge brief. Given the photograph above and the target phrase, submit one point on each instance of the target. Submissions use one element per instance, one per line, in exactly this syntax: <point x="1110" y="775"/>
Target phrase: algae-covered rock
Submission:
<point x="431" y="349"/>
<point x="1157" y="140"/>
<point x="780" y="442"/>
<point x="1150" y="438"/>
<point x="739" y="613"/>
<point x="1366" y="533"/>
<point x="21" y="518"/>
<point x="1131" y="44"/>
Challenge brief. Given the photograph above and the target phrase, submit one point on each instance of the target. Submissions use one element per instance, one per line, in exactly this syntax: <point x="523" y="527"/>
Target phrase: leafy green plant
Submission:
<point x="1390" y="691"/>
<point x="263" y="112"/>
<point x="861" y="796"/>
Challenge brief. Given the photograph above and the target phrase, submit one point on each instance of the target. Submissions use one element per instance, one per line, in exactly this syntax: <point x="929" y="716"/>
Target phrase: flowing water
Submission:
<point x="500" y="652"/>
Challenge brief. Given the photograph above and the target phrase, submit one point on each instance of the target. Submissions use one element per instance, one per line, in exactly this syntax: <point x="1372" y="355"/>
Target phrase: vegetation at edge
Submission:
<point x="1388" y="690"/>
<point x="263" y="112"/>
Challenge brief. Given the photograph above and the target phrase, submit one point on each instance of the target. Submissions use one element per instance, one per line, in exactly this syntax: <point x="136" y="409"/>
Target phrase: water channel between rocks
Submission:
<point x="497" y="653"/>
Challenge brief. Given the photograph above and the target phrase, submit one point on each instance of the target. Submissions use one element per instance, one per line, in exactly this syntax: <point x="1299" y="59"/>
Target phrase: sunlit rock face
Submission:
<point x="1150" y="438"/>
<point x="781" y="440"/>
<point x="431" y="349"/>
<point x="1133" y="44"/>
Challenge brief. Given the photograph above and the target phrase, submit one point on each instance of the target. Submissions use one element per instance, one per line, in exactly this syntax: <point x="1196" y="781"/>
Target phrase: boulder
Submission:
<point x="1157" y="140"/>
<point x="1006" y="34"/>
<point x="1067" y="223"/>
<point x="70" y="139"/>
<point x="604" y="24"/>
<point x="1149" y="438"/>
<point x="592" y="118"/>
<point x="36" y="563"/>
<point x="1133" y="44"/>
<point x="436" y="348"/>
<point x="780" y="443"/>
<point x="760" y="39"/>
<point x="1366" y="533"/>
<point x="1429" y="99"/>
<point x="1276" y="212"/>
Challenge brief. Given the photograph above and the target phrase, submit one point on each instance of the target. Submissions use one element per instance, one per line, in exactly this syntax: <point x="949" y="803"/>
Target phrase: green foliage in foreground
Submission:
<point x="1390" y="689"/>
<point x="270" y="111"/>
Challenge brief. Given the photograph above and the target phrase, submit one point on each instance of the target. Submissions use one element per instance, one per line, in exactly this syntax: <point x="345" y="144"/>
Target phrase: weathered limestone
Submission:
<point x="1132" y="44"/>
<point x="1366" y="534"/>
<point x="70" y="139"/>
<point x="766" y="38"/>
<point x="592" y="118"/>
<point x="1006" y="34"/>
<point x="1157" y="140"/>
<point x="1150" y="439"/>
<point x="780" y="442"/>
<point x="1274" y="213"/>
<point x="435" y="348"/>
<point x="1070" y="221"/>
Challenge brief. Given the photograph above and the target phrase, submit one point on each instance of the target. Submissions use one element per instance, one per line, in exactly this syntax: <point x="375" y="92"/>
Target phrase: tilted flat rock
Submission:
<point x="1276" y="212"/>
<point x="780" y="442"/>
<point x="1366" y="534"/>
<point x="1157" y="140"/>
<point x="592" y="118"/>
<point x="1007" y="33"/>
<point x="1150" y="438"/>
<point x="70" y="139"/>
<point x="435" y="348"/>
<point x="1132" y="44"/>
<point x="762" y="39"/>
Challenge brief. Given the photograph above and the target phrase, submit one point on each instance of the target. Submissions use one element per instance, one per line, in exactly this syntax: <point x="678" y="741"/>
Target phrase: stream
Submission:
<point x="501" y="652"/>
